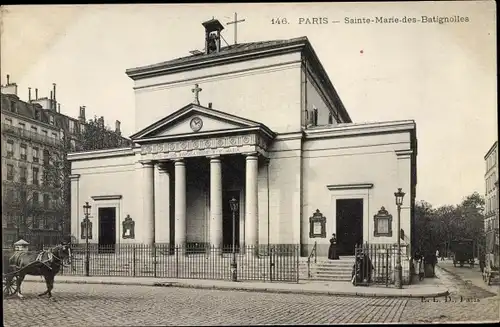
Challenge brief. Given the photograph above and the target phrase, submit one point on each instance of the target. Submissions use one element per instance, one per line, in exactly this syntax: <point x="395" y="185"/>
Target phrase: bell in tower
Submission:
<point x="212" y="35"/>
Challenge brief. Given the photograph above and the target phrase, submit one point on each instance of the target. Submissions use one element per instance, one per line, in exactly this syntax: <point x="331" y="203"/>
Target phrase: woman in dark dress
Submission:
<point x="332" y="251"/>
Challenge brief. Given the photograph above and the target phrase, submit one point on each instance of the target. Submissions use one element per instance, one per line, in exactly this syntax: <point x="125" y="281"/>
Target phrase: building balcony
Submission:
<point x="30" y="136"/>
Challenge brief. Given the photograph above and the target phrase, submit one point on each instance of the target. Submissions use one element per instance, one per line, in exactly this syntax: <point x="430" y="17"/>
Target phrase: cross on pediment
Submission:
<point x="196" y="92"/>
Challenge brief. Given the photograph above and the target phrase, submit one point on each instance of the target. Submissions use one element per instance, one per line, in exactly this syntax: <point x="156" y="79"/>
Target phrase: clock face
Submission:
<point x="196" y="124"/>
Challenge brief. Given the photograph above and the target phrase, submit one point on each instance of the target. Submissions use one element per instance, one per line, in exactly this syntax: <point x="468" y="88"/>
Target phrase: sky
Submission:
<point x="443" y="76"/>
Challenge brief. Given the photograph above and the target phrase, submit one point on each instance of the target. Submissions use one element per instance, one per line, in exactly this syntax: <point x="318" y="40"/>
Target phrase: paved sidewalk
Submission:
<point x="429" y="289"/>
<point x="469" y="275"/>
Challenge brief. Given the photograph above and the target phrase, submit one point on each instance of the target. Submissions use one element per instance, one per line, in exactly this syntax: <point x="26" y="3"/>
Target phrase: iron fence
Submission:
<point x="375" y="264"/>
<point x="273" y="262"/>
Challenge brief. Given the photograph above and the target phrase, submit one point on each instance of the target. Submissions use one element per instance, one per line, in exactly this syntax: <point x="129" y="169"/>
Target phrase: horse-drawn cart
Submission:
<point x="9" y="275"/>
<point x="491" y="267"/>
<point x="463" y="252"/>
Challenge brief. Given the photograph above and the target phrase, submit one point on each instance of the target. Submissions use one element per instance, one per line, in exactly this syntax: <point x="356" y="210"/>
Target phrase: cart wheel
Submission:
<point x="9" y="286"/>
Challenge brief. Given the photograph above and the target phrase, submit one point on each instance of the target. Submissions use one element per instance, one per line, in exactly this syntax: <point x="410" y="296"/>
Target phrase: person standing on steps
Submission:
<point x="332" y="250"/>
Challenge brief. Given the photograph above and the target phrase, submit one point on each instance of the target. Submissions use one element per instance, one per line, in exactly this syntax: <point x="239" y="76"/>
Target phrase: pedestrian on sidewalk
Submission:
<point x="419" y="265"/>
<point x="332" y="250"/>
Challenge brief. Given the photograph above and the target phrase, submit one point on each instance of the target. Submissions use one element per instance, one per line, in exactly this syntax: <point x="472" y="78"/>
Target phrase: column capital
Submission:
<point x="251" y="155"/>
<point x="179" y="162"/>
<point x="147" y="163"/>
<point x="74" y="177"/>
<point x="215" y="157"/>
<point x="162" y="169"/>
<point x="162" y="165"/>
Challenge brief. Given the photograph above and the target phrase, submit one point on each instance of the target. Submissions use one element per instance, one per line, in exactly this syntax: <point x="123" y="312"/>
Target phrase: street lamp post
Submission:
<point x="233" y="203"/>
<point x="399" y="270"/>
<point x="86" y="212"/>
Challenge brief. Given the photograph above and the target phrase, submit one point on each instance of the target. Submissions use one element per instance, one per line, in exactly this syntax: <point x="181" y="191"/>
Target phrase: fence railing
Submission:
<point x="273" y="262"/>
<point x="313" y="253"/>
<point x="375" y="264"/>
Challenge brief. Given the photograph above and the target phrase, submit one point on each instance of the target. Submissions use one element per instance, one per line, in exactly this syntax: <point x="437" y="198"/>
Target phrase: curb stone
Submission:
<point x="250" y="289"/>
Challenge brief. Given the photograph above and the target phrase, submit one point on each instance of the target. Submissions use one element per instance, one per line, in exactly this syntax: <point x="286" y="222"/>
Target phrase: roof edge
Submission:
<point x="168" y="67"/>
<point x="490" y="150"/>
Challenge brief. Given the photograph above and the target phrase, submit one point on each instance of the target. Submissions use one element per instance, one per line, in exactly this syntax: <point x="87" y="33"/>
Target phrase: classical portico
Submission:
<point x="280" y="142"/>
<point x="214" y="138"/>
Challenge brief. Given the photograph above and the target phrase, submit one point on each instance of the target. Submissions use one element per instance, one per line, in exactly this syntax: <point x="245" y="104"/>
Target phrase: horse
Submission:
<point x="45" y="263"/>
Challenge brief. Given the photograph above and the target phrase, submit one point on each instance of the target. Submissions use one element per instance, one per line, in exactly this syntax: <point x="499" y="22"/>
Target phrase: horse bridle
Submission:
<point x="61" y="260"/>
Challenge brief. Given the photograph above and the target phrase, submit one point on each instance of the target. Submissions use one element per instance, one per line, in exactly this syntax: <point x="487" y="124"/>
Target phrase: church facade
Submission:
<point x="259" y="124"/>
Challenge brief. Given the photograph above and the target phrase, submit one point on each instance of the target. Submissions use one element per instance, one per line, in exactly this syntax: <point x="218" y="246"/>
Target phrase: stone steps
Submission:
<point x="327" y="270"/>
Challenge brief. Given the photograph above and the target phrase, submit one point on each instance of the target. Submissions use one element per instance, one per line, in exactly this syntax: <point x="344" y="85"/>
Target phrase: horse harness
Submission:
<point x="49" y="260"/>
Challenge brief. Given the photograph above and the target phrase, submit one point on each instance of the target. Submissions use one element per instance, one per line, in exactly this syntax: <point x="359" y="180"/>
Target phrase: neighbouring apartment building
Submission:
<point x="36" y="136"/>
<point x="491" y="214"/>
<point x="491" y="195"/>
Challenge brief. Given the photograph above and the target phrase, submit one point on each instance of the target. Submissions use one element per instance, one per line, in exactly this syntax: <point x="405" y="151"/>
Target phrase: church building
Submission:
<point x="259" y="124"/>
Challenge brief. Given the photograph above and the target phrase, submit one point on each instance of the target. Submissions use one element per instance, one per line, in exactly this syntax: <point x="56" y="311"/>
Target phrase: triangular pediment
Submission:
<point x="194" y="120"/>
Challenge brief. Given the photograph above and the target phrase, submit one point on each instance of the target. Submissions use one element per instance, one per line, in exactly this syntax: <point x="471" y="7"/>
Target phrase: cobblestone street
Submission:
<point x="107" y="305"/>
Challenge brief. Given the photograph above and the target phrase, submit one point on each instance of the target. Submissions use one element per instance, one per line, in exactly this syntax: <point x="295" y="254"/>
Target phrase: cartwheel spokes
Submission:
<point x="9" y="286"/>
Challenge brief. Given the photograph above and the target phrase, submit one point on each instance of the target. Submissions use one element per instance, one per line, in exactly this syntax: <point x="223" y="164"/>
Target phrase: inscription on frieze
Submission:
<point x="204" y="147"/>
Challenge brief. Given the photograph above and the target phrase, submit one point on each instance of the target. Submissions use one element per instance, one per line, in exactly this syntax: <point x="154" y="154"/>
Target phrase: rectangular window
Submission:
<point x="10" y="172"/>
<point x="37" y="114"/>
<point x="10" y="148"/>
<point x="35" y="155"/>
<point x="34" y="129"/>
<point x="54" y="135"/>
<point x="23" y="152"/>
<point x="71" y="126"/>
<point x="10" y="195"/>
<point x="45" y="177"/>
<point x="24" y="175"/>
<point x="13" y="106"/>
<point x="22" y="125"/>
<point x="36" y="198"/>
<point x="46" y="157"/>
<point x="51" y="119"/>
<point x="8" y="121"/>
<point x="46" y="201"/>
<point x="45" y="133"/>
<point x="36" y="177"/>
<point x="23" y="196"/>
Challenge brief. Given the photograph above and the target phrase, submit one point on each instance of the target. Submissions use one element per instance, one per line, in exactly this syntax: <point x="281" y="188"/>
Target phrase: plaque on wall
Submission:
<point x="128" y="228"/>
<point x="317" y="225"/>
<point x="383" y="223"/>
<point x="83" y="227"/>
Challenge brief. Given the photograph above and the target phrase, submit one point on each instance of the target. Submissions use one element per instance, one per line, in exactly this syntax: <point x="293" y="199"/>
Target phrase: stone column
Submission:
<point x="215" y="201"/>
<point x="162" y="203"/>
<point x="180" y="203"/>
<point x="75" y="207"/>
<point x="148" y="202"/>
<point x="251" y="200"/>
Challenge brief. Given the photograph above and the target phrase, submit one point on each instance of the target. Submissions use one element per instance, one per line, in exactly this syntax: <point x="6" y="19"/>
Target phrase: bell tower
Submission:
<point x="212" y="35"/>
